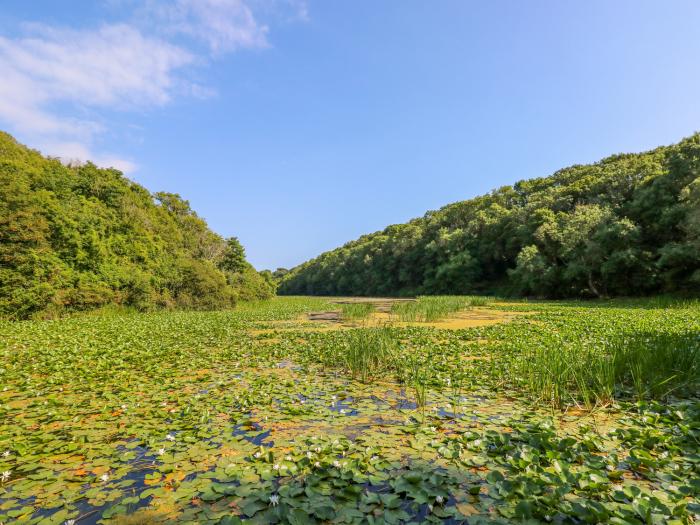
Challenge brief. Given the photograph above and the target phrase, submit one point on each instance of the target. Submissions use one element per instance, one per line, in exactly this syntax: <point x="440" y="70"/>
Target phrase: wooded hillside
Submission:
<point x="627" y="225"/>
<point x="75" y="238"/>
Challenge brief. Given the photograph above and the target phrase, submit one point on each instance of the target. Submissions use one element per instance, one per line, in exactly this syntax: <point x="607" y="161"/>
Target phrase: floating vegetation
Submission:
<point x="571" y="413"/>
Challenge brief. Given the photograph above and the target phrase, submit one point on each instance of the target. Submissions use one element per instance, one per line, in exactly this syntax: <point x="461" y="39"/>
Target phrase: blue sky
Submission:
<point x="299" y="125"/>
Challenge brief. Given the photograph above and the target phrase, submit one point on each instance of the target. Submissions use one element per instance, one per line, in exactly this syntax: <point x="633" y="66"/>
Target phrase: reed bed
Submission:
<point x="431" y="308"/>
<point x="357" y="311"/>
<point x="640" y="366"/>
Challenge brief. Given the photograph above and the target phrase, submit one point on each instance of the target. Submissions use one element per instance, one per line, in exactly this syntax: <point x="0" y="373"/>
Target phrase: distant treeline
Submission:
<point x="627" y="225"/>
<point x="81" y="237"/>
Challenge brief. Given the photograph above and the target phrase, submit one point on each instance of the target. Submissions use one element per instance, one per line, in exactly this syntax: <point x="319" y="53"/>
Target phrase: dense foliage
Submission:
<point x="74" y="238"/>
<point x="627" y="225"/>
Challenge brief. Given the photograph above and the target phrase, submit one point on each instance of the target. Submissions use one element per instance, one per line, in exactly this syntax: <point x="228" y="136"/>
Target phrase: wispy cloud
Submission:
<point x="57" y="82"/>
<point x="224" y="25"/>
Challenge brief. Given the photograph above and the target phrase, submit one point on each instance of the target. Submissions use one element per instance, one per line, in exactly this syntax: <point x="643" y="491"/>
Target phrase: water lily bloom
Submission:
<point x="69" y="522"/>
<point x="170" y="437"/>
<point x="257" y="455"/>
<point x="317" y="464"/>
<point x="161" y="451"/>
<point x="342" y="411"/>
<point x="5" y="475"/>
<point x="6" y="454"/>
<point x="336" y="464"/>
<point x="274" y="500"/>
<point x="439" y="500"/>
<point x="288" y="458"/>
<point x="276" y="466"/>
<point x="104" y="477"/>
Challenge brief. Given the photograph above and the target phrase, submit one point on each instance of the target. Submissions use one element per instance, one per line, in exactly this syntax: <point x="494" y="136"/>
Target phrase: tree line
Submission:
<point x="627" y="225"/>
<point x="80" y="237"/>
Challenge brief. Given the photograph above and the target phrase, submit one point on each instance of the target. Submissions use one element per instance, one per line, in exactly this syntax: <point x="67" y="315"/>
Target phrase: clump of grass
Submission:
<point x="454" y="383"/>
<point x="369" y="352"/>
<point x="431" y="308"/>
<point x="640" y="365"/>
<point x="357" y="311"/>
<point x="418" y="379"/>
<point x="657" y="365"/>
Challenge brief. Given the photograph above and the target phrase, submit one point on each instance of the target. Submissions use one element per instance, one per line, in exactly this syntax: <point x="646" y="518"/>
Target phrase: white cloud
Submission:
<point x="57" y="82"/>
<point x="224" y="25"/>
<point x="112" y="67"/>
<point x="77" y="153"/>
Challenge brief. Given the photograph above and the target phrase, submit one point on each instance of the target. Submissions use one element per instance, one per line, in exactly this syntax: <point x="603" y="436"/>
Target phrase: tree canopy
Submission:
<point x="626" y="225"/>
<point x="80" y="237"/>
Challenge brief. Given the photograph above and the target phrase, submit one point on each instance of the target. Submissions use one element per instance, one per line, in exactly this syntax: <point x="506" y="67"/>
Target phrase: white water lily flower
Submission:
<point x="430" y="508"/>
<point x="5" y="475"/>
<point x="317" y="464"/>
<point x="274" y="500"/>
<point x="69" y="522"/>
<point x="439" y="500"/>
<point x="433" y="429"/>
<point x="342" y="411"/>
<point x="104" y="477"/>
<point x="6" y="454"/>
<point x="170" y="437"/>
<point x="374" y="458"/>
<point x="336" y="464"/>
<point x="318" y="449"/>
<point x="334" y="398"/>
<point x="257" y="455"/>
<point x="161" y="451"/>
<point x="309" y="454"/>
<point x="275" y="466"/>
<point x="288" y="458"/>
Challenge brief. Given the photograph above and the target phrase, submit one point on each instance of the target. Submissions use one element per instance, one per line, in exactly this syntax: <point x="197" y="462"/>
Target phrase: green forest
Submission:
<point x="626" y="225"/>
<point x="81" y="237"/>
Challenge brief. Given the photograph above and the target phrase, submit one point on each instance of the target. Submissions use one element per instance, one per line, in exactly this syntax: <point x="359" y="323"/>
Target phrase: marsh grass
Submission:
<point x="642" y="366"/>
<point x="431" y="308"/>
<point x="454" y="383"/>
<point x="357" y="311"/>
<point x="655" y="366"/>
<point x="418" y="379"/>
<point x="369" y="352"/>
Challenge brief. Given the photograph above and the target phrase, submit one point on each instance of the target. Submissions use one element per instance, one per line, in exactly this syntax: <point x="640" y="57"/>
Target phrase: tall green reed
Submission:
<point x="430" y="308"/>
<point x="356" y="311"/>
